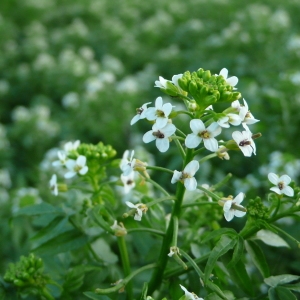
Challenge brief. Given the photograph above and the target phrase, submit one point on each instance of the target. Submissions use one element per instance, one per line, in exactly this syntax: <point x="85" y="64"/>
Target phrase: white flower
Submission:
<point x="159" y="113"/>
<point x="161" y="83"/>
<point x="161" y="135"/>
<point x="127" y="165"/>
<point x="245" y="142"/>
<point x="62" y="158"/>
<point x="189" y="295"/>
<point x="232" y="208"/>
<point x="53" y="185"/>
<point x="233" y="119"/>
<point x="119" y="230"/>
<point x="233" y="80"/>
<point x="140" y="208"/>
<point x="187" y="175"/>
<point x="128" y="182"/>
<point x="201" y="133"/>
<point x="70" y="146"/>
<point x="140" y="113"/>
<point x="77" y="166"/>
<point x="282" y="184"/>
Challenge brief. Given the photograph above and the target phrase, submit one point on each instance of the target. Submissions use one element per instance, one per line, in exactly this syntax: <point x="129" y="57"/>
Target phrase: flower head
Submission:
<point x="282" y="184"/>
<point x="119" y="230"/>
<point x="159" y="113"/>
<point x="140" y="113"/>
<point x="62" y="158"/>
<point x="77" y="166"/>
<point x="201" y="133"/>
<point x="126" y="164"/>
<point x="245" y="142"/>
<point x="128" y="181"/>
<point x="161" y="135"/>
<point x="139" y="209"/>
<point x="187" y="175"/>
<point x="233" y="80"/>
<point x="232" y="207"/>
<point x="53" y="185"/>
<point x="70" y="146"/>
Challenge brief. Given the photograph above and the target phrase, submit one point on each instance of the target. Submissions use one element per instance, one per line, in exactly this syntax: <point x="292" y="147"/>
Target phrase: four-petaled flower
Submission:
<point x="187" y="175"/>
<point x="126" y="164"/>
<point x="232" y="208"/>
<point x="161" y="135"/>
<point x="201" y="133"/>
<point x="53" y="185"/>
<point x="77" y="166"/>
<point x="139" y="209"/>
<point x="189" y="295"/>
<point x="128" y="181"/>
<point x="233" y="80"/>
<point x="140" y="113"/>
<point x="282" y="184"/>
<point x="70" y="146"/>
<point x="245" y="142"/>
<point x="62" y="158"/>
<point x="159" y="113"/>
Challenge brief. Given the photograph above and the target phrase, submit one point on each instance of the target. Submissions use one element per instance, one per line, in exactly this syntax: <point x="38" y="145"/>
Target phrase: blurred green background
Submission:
<point x="78" y="69"/>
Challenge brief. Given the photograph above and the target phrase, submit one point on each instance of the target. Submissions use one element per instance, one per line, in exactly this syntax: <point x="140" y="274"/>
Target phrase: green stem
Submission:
<point x="176" y="137"/>
<point x="199" y="151"/>
<point x="193" y="263"/>
<point x="208" y="192"/>
<point x="125" y="281"/>
<point x="150" y="230"/>
<point x="181" y="150"/>
<point x="159" y="187"/>
<point x="160" y="200"/>
<point x="185" y="112"/>
<point x="175" y="232"/>
<point x="207" y="157"/>
<point x="159" y="169"/>
<point x="198" y="204"/>
<point x="182" y="133"/>
<point x="277" y="206"/>
<point x="126" y="265"/>
<point x="157" y="275"/>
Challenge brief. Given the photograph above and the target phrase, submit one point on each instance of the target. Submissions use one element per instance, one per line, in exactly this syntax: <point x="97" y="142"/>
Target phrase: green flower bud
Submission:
<point x="19" y="282"/>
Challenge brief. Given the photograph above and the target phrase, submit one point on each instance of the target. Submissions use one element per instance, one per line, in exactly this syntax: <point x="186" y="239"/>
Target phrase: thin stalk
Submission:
<point x="198" y="204"/>
<point x="149" y="230"/>
<point x="159" y="187"/>
<point x="126" y="265"/>
<point x="208" y="192"/>
<point x="157" y="275"/>
<point x="185" y="112"/>
<point x="207" y="157"/>
<point x="180" y="148"/>
<point x="193" y="264"/>
<point x="159" y="169"/>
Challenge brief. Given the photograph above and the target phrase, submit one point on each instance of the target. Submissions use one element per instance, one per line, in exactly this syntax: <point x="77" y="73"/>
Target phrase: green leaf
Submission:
<point x="228" y="296"/>
<point x="280" y="279"/>
<point x="217" y="291"/>
<point x="98" y="219"/>
<point x="217" y="233"/>
<point x="281" y="293"/>
<point x="94" y="296"/>
<point x="64" y="242"/>
<point x="237" y="253"/>
<point x="294" y="287"/>
<point x="39" y="209"/>
<point x="223" y="245"/>
<point x="270" y="238"/>
<point x="258" y="258"/>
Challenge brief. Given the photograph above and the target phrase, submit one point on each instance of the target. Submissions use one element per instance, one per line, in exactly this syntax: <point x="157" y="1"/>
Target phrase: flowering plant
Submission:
<point x="153" y="241"/>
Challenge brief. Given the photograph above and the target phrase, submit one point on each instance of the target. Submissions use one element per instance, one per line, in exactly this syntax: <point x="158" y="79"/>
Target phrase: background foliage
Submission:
<point x="78" y="69"/>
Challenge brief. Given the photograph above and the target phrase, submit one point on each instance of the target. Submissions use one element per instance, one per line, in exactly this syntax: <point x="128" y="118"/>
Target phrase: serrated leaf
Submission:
<point x="39" y="209"/>
<point x="258" y="258"/>
<point x="237" y="253"/>
<point x="270" y="238"/>
<point x="94" y="296"/>
<point x="64" y="242"/>
<point x="217" y="233"/>
<point x="280" y="279"/>
<point x="224" y="244"/>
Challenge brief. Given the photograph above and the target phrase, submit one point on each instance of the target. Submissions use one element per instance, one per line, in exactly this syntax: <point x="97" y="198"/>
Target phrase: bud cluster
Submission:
<point x="257" y="209"/>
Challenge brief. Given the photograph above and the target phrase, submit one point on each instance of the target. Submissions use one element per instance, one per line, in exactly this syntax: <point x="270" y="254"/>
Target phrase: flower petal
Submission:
<point x="287" y="179"/>
<point x="211" y="144"/>
<point x="190" y="184"/>
<point x="148" y="137"/>
<point x="197" y="126"/>
<point x="273" y="178"/>
<point x="162" y="144"/>
<point x="288" y="191"/>
<point x="176" y="176"/>
<point x="239" y="198"/>
<point x="192" y="140"/>
<point x="191" y="168"/>
<point x="229" y="215"/>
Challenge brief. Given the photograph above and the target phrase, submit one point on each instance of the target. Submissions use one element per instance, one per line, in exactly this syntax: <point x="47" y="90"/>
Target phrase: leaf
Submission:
<point x="213" y="296"/>
<point x="280" y="279"/>
<point x="217" y="291"/>
<point x="223" y="245"/>
<point x="39" y="209"/>
<point x="64" y="242"/>
<point x="294" y="287"/>
<point x="98" y="219"/>
<point x="94" y="296"/>
<point x="270" y="238"/>
<point x="217" y="233"/>
<point x="237" y="253"/>
<point x="258" y="258"/>
<point x="281" y="293"/>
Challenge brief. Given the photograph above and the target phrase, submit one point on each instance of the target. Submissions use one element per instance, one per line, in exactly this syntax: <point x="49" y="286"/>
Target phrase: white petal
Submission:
<point x="161" y="122"/>
<point x="169" y="129"/>
<point x="224" y="73"/>
<point x="239" y="198"/>
<point x="135" y="119"/>
<point x="81" y="160"/>
<point x="70" y="164"/>
<point x="191" y="168"/>
<point x="192" y="140"/>
<point x="288" y="191"/>
<point x="190" y="184"/>
<point x="151" y="114"/>
<point x="238" y="213"/>
<point x="285" y="178"/>
<point x="197" y="126"/>
<point x="276" y="189"/>
<point x="273" y="178"/>
<point x="237" y="136"/>
<point x="232" y="80"/>
<point x="70" y="174"/>
<point x="167" y="108"/>
<point x="84" y="170"/>
<point x="158" y="103"/>
<point x="162" y="144"/>
<point x="247" y="150"/>
<point x="148" y="137"/>
<point x="227" y="205"/>
<point x="131" y="205"/>
<point x="176" y="176"/>
<point x="211" y="144"/>
<point x="229" y="215"/>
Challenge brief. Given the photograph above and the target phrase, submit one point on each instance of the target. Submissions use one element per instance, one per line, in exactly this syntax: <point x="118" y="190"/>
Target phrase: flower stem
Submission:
<point x="207" y="157"/>
<point x="157" y="275"/>
<point x="159" y="169"/>
<point x="126" y="265"/>
<point x="159" y="187"/>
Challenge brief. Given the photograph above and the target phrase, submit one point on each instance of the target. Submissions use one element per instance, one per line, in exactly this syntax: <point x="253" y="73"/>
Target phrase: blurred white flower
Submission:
<point x="233" y="80"/>
<point x="245" y="142"/>
<point x="282" y="184"/>
<point x="53" y="185"/>
<point x="232" y="208"/>
<point x="128" y="182"/>
<point x="140" y="113"/>
<point x="140" y="208"/>
<point x="70" y="146"/>
<point x="126" y="164"/>
<point x="62" y="158"/>
<point x="189" y="295"/>
<point x="77" y="166"/>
